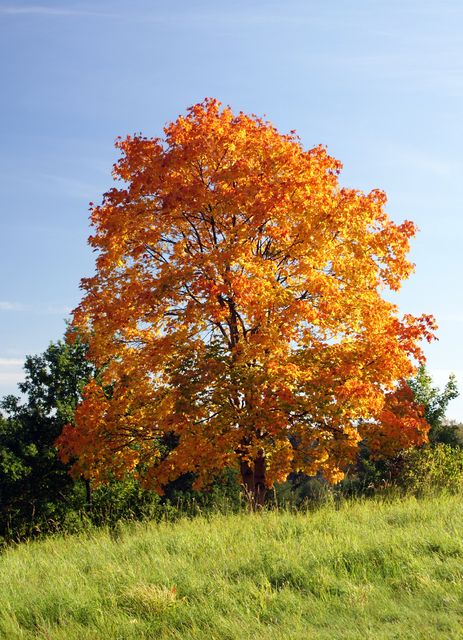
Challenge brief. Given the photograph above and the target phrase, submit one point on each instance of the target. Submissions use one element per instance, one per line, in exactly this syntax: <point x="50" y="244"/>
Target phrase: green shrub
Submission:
<point x="302" y="492"/>
<point x="432" y="468"/>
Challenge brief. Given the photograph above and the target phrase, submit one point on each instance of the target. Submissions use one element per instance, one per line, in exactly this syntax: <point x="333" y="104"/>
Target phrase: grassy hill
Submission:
<point x="368" y="570"/>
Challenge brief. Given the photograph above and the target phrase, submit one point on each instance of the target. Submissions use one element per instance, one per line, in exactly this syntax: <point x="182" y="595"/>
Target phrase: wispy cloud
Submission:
<point x="271" y="14"/>
<point x="11" y="306"/>
<point x="39" y="309"/>
<point x="11" y="362"/>
<point x="52" y="11"/>
<point x="57" y="184"/>
<point x="70" y="186"/>
<point x="11" y="373"/>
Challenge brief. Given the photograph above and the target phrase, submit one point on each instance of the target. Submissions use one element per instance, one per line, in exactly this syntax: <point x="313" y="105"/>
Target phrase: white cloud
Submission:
<point x="11" y="362"/>
<point x="11" y="306"/>
<point x="11" y="372"/>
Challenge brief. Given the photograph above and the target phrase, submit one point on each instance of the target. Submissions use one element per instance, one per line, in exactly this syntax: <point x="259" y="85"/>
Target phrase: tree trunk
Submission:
<point x="88" y="494"/>
<point x="253" y="480"/>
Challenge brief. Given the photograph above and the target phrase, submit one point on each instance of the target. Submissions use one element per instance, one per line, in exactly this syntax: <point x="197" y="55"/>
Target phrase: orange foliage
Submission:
<point x="401" y="424"/>
<point x="237" y="307"/>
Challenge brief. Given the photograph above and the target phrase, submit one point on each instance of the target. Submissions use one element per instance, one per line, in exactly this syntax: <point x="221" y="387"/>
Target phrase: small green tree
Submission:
<point x="435" y="404"/>
<point x="35" y="487"/>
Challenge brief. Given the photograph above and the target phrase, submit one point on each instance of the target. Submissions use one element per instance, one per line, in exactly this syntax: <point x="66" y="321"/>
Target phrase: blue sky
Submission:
<point x="380" y="82"/>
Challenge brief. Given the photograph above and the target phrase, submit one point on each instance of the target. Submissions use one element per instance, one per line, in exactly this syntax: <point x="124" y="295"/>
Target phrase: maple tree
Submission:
<point x="237" y="312"/>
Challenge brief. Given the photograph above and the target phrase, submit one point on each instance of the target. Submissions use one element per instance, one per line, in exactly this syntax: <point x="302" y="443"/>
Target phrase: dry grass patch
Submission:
<point x="149" y="599"/>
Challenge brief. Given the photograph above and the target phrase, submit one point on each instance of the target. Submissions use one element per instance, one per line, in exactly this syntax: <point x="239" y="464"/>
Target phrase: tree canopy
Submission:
<point x="238" y="313"/>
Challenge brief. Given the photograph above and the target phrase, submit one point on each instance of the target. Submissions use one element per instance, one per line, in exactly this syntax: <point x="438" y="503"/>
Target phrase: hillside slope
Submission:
<point x="368" y="570"/>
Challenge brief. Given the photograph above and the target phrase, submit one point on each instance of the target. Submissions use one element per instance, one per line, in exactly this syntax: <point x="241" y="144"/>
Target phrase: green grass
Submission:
<point x="368" y="570"/>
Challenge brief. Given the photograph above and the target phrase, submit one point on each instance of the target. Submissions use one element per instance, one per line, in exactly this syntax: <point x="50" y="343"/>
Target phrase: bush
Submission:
<point x="432" y="468"/>
<point x="302" y="492"/>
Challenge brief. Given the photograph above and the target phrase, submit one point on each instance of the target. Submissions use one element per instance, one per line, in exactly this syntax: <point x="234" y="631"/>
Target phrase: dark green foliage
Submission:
<point x="35" y="488"/>
<point x="55" y="379"/>
<point x="302" y="491"/>
<point x="225" y="494"/>
<point x="111" y="502"/>
<point x="37" y="495"/>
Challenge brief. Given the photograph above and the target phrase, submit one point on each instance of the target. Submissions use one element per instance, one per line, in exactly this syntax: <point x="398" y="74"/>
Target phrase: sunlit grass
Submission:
<point x="368" y="570"/>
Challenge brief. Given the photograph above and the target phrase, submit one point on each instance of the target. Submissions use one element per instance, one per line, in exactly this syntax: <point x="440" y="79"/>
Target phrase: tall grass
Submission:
<point x="363" y="570"/>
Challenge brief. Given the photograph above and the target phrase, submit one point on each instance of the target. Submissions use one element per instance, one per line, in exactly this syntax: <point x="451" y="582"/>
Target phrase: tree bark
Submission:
<point x="253" y="480"/>
<point x="88" y="494"/>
